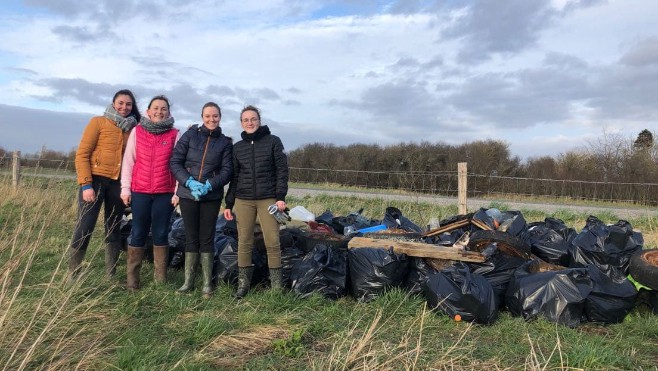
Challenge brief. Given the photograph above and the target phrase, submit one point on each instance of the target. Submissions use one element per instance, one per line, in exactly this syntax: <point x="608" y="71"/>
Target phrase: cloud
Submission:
<point x="644" y="53"/>
<point x="490" y="26"/>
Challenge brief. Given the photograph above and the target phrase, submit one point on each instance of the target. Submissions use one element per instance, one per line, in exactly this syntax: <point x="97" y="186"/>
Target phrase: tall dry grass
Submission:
<point x="43" y="321"/>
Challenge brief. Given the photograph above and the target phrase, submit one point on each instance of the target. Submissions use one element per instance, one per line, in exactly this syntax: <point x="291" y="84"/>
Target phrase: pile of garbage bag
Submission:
<point x="557" y="273"/>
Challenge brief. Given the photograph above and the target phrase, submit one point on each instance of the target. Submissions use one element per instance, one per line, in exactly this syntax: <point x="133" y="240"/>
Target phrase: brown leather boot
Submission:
<point x="160" y="260"/>
<point x="133" y="265"/>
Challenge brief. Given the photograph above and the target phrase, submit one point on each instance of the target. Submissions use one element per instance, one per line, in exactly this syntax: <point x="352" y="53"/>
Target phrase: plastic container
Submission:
<point x="375" y="228"/>
<point x="300" y="213"/>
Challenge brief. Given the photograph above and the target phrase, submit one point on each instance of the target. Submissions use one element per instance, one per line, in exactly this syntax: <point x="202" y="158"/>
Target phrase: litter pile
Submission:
<point x="468" y="267"/>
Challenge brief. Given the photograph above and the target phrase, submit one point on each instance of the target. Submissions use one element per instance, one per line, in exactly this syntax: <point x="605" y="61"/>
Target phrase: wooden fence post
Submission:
<point x="461" y="188"/>
<point x="16" y="169"/>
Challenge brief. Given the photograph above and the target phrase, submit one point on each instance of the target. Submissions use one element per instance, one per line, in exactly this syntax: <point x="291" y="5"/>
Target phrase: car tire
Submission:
<point x="643" y="268"/>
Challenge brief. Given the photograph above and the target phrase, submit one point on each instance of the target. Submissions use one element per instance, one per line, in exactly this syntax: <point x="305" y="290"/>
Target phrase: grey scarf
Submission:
<point x="157" y="127"/>
<point x="124" y="123"/>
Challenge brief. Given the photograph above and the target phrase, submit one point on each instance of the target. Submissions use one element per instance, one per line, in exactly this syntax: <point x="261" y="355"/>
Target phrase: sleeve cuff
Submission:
<point x="86" y="187"/>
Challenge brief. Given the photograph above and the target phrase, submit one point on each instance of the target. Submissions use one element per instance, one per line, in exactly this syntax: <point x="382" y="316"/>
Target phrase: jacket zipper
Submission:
<point x="253" y="169"/>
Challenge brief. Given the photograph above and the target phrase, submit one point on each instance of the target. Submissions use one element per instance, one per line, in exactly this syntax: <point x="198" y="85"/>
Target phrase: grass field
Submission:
<point x="95" y="324"/>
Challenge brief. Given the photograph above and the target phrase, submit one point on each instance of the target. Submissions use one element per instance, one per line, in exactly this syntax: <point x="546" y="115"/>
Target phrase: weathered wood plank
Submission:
<point x="418" y="249"/>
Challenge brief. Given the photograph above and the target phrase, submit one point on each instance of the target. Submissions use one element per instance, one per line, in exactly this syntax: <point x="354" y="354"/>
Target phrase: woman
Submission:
<point x="202" y="166"/>
<point x="98" y="166"/>
<point x="260" y="179"/>
<point x="148" y="185"/>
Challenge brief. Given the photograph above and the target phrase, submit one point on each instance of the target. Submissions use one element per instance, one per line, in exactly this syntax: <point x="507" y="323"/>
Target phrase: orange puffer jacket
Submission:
<point x="100" y="150"/>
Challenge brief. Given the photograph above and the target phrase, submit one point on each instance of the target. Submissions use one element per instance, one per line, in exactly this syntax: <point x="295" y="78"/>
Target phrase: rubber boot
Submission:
<point x="160" y="260"/>
<point x="244" y="281"/>
<point x="276" y="279"/>
<point x="191" y="262"/>
<point x="112" y="251"/>
<point x="133" y="265"/>
<point x="207" y="259"/>
<point x="75" y="260"/>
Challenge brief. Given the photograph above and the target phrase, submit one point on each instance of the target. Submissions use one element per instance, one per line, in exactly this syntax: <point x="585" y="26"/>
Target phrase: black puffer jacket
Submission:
<point x="260" y="168"/>
<point x="203" y="155"/>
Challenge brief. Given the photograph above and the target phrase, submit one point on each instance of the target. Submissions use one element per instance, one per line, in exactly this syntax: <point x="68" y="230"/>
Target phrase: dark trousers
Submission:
<point x="108" y="193"/>
<point x="199" y="220"/>
<point x="151" y="212"/>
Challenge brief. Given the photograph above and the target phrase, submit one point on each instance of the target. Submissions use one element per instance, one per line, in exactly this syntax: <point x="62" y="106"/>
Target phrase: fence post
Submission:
<point x="461" y="188"/>
<point x="16" y="169"/>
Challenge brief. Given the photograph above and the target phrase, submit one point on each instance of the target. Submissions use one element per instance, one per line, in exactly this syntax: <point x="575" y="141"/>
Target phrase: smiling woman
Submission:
<point x="98" y="166"/>
<point x="148" y="185"/>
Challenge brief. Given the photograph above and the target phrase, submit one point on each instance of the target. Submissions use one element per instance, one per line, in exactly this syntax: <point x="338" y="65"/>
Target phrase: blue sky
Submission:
<point x="545" y="76"/>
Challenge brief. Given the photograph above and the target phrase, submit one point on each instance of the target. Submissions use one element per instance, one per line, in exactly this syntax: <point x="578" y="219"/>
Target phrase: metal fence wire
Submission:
<point x="445" y="183"/>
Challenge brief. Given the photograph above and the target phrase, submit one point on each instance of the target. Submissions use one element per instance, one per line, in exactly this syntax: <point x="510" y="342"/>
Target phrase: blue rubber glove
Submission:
<point x="203" y="191"/>
<point x="208" y="186"/>
<point x="196" y="194"/>
<point x="193" y="184"/>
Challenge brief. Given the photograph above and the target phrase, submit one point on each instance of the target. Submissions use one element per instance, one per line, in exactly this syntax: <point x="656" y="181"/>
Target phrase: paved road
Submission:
<point x="474" y="204"/>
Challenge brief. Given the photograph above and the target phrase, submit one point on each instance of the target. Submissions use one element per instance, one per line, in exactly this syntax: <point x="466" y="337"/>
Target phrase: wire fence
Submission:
<point x="444" y="183"/>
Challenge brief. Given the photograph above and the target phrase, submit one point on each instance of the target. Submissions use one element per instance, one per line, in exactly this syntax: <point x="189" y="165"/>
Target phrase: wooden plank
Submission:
<point x="447" y="228"/>
<point x="480" y="224"/>
<point x="418" y="249"/>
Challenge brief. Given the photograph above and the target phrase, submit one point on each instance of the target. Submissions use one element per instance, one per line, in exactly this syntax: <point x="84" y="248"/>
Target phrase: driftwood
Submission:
<point x="418" y="249"/>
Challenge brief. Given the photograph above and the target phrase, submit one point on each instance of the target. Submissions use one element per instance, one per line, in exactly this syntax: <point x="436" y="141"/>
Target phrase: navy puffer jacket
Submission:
<point x="203" y="155"/>
<point x="260" y="168"/>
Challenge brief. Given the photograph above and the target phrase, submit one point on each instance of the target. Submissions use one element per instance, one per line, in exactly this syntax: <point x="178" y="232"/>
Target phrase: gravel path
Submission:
<point x="474" y="204"/>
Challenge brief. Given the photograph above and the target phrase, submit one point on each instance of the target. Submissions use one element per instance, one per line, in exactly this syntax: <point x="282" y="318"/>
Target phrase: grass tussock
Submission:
<point x="91" y="322"/>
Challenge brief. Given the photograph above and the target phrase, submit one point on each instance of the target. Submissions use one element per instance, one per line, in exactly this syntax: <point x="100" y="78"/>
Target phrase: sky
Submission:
<point x="544" y="76"/>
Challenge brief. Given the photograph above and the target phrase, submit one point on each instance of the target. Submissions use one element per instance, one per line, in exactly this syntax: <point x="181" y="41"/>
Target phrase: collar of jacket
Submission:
<point x="259" y="133"/>
<point x="215" y="133"/>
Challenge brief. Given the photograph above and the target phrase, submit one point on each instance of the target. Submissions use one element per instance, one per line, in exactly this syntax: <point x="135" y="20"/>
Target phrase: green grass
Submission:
<point x="95" y="324"/>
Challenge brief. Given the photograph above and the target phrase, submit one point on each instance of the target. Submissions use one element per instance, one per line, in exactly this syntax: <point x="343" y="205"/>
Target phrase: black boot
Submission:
<point x="244" y="281"/>
<point x="191" y="262"/>
<point x="276" y="279"/>
<point x="206" y="269"/>
<point x="75" y="260"/>
<point x="112" y="251"/>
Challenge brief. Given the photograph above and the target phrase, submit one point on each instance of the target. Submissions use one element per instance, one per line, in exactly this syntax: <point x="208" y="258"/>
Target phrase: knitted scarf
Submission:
<point x="124" y="123"/>
<point x="157" y="127"/>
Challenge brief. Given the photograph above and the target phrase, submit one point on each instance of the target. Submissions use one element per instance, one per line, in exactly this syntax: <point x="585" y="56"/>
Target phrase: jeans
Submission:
<point x="150" y="212"/>
<point x="199" y="221"/>
<point x="246" y="212"/>
<point x="107" y="192"/>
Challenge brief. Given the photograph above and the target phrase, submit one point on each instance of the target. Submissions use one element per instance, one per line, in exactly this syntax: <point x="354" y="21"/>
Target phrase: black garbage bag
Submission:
<point x="323" y="270"/>
<point x="498" y="270"/>
<point x="418" y="272"/>
<point x="548" y="242"/>
<point x="374" y="270"/>
<point x="484" y="217"/>
<point x="176" y="235"/>
<point x="327" y="217"/>
<point x="227" y="263"/>
<point x="609" y="247"/>
<point x="457" y="291"/>
<point x="290" y="256"/>
<point x="513" y="223"/>
<point x="610" y="300"/>
<point x="558" y="296"/>
<point x="567" y="233"/>
<point x="393" y="219"/>
<point x="354" y="220"/>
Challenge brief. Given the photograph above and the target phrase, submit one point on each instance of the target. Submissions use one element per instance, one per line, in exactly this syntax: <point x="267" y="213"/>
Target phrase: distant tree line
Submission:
<point x="611" y="168"/>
